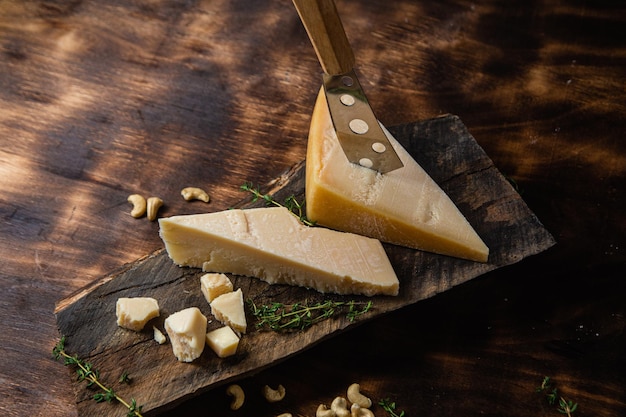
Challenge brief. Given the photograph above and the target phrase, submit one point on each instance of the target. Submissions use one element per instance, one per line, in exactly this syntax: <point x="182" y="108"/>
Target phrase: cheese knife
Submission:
<point x="358" y="130"/>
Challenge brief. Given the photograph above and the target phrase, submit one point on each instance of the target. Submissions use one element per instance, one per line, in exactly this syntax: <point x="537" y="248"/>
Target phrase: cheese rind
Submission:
<point x="133" y="313"/>
<point x="223" y="341"/>
<point x="404" y="207"/>
<point x="213" y="285"/>
<point x="271" y="244"/>
<point x="187" y="331"/>
<point x="229" y="309"/>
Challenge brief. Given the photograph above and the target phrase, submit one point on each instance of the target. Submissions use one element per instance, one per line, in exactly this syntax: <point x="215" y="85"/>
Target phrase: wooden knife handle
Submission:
<point x="323" y="25"/>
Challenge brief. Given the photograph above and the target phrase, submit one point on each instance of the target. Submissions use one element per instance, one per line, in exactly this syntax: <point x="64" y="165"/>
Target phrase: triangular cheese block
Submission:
<point x="271" y="244"/>
<point x="228" y="308"/>
<point x="404" y="207"/>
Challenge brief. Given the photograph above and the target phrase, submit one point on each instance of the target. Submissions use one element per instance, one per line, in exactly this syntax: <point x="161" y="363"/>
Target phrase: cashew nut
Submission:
<point x="154" y="204"/>
<point x="355" y="396"/>
<point x="340" y="407"/>
<point x="238" y="395"/>
<point x="323" y="411"/>
<point x="357" y="411"/>
<point x="195" y="193"/>
<point x="273" y="395"/>
<point x="139" y="205"/>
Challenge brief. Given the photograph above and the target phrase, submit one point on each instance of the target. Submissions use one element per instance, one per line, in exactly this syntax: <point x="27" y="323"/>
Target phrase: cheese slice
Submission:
<point x="133" y="313"/>
<point x="271" y="244"/>
<point x="229" y="309"/>
<point x="404" y="207"/>
<point x="187" y="331"/>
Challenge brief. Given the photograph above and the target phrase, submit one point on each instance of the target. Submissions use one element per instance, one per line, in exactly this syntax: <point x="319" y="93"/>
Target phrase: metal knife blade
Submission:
<point x="358" y="130"/>
<point x="359" y="133"/>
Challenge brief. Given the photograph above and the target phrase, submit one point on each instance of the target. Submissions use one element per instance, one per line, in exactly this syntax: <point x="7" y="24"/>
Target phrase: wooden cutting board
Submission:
<point x="443" y="147"/>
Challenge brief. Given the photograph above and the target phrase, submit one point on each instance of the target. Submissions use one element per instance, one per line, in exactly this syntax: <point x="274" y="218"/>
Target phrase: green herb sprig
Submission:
<point x="86" y="372"/>
<point x="390" y="407"/>
<point x="300" y="316"/>
<point x="291" y="203"/>
<point x="564" y="406"/>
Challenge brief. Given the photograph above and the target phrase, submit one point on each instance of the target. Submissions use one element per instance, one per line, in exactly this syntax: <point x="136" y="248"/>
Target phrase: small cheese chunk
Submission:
<point x="404" y="207"/>
<point x="229" y="309"/>
<point x="223" y="341"/>
<point x="271" y="244"/>
<point x="187" y="331"/>
<point x="159" y="337"/>
<point x="213" y="285"/>
<point x="134" y="313"/>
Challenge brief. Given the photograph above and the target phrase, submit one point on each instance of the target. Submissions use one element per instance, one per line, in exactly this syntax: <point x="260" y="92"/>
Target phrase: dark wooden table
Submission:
<point x="100" y="99"/>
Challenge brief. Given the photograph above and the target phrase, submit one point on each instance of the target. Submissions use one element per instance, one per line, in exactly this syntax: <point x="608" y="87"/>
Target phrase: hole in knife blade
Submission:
<point x="378" y="147"/>
<point x="347" y="81"/>
<point x="358" y="126"/>
<point x="347" y="100"/>
<point x="366" y="162"/>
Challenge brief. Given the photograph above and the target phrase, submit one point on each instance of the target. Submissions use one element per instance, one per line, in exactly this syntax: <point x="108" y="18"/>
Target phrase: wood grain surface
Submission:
<point x="101" y="99"/>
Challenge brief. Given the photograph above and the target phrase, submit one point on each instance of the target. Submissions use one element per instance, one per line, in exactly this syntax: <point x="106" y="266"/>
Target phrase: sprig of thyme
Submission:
<point x="567" y="407"/>
<point x="291" y="203"/>
<point x="390" y="407"/>
<point x="300" y="316"/>
<point x="86" y="372"/>
<point x="552" y="395"/>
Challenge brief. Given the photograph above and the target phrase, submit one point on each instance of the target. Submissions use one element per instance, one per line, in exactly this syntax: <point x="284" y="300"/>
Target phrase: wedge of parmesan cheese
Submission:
<point x="187" y="331"/>
<point x="229" y="309"/>
<point x="271" y="244"/>
<point x="133" y="313"/>
<point x="213" y="285"/>
<point x="223" y="341"/>
<point x="404" y="207"/>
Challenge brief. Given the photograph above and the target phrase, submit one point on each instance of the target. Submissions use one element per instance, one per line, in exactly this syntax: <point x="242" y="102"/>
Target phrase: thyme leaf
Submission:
<point x="390" y="407"/>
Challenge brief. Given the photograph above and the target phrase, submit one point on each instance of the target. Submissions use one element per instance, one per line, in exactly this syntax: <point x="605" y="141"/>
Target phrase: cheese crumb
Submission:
<point x="214" y="285"/>
<point x="187" y="331"/>
<point x="159" y="336"/>
<point x="229" y="309"/>
<point x="223" y="341"/>
<point x="134" y="313"/>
